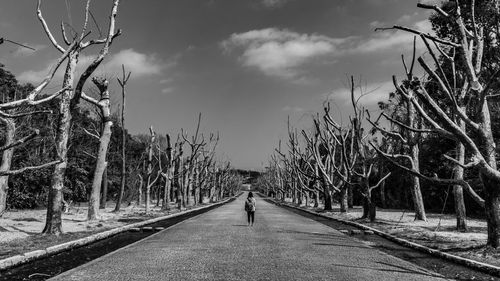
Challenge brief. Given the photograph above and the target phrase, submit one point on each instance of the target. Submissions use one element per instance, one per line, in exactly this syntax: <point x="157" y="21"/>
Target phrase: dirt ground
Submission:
<point x="20" y="229"/>
<point x="437" y="232"/>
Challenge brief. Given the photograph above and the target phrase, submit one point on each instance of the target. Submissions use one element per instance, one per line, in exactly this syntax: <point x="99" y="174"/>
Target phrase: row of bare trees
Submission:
<point x="187" y="178"/>
<point x="330" y="158"/>
<point x="172" y="174"/>
<point x="454" y="99"/>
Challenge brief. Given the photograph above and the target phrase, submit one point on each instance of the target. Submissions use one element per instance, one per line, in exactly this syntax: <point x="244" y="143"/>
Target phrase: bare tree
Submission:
<point x="409" y="139"/>
<point x="105" y="136"/>
<point x="150" y="180"/>
<point x="196" y="144"/>
<point x="123" y="84"/>
<point x="463" y="84"/>
<point x="15" y="109"/>
<point x="70" y="98"/>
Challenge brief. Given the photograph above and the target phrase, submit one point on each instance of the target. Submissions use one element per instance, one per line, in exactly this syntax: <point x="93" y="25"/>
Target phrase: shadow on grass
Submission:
<point x="24" y="231"/>
<point x="26" y="219"/>
<point x="474" y="229"/>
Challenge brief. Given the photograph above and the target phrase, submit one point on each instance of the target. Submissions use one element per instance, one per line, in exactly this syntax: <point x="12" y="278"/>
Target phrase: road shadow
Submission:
<point x="343" y="245"/>
<point x="394" y="268"/>
<point x="316" y="234"/>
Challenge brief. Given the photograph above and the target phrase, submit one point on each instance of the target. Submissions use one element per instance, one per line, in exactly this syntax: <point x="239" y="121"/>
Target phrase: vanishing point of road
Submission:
<point x="218" y="245"/>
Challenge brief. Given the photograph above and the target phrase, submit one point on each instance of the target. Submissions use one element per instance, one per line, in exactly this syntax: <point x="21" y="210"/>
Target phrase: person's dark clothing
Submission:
<point x="251" y="217"/>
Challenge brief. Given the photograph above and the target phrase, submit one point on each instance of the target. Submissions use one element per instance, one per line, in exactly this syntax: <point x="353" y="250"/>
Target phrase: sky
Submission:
<point x="245" y="65"/>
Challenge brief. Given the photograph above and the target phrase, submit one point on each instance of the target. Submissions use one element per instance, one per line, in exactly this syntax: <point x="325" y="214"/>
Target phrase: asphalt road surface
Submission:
<point x="218" y="245"/>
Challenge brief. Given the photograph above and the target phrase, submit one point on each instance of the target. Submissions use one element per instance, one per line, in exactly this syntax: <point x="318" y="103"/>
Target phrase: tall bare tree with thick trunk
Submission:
<point x="8" y="116"/>
<point x="101" y="164"/>
<point x="69" y="100"/>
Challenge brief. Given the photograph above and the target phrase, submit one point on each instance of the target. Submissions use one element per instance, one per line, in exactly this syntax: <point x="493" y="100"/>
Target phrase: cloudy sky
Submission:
<point x="244" y="64"/>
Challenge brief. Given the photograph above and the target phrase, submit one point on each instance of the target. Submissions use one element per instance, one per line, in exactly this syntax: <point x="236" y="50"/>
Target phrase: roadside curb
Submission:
<point x="484" y="267"/>
<point x="17" y="260"/>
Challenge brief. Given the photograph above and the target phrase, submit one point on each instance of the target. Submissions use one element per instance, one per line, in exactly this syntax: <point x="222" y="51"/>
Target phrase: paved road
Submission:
<point x="219" y="246"/>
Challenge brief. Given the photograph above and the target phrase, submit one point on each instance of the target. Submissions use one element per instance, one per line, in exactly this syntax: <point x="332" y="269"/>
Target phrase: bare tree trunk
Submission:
<point x="168" y="176"/>
<point x="186" y="183"/>
<point x="202" y="194"/>
<point x="212" y="188"/>
<point x="294" y="190"/>
<point x="327" y="196"/>
<point x="104" y="140"/>
<point x="458" y="193"/>
<point x="139" y="191"/>
<point x="104" y="187"/>
<point x="196" y="186"/>
<point x="492" y="209"/>
<point x="369" y="207"/>
<point x="221" y="187"/>
<point x="166" y="194"/>
<point x="316" y="198"/>
<point x="123" y="174"/>
<point x="382" y="169"/>
<point x="372" y="208"/>
<point x="383" y="201"/>
<point x="418" y="201"/>
<point x="53" y="222"/>
<point x="150" y="170"/>
<point x="10" y="131"/>
<point x="189" y="184"/>
<point x="350" y="196"/>
<point x="344" y="198"/>
<point x="147" y="201"/>
<point x="158" y="193"/>
<point x="180" y="179"/>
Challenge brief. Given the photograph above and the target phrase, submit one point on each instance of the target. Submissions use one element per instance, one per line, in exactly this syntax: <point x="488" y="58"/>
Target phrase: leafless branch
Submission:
<point x="31" y="168"/>
<point x="47" y="30"/>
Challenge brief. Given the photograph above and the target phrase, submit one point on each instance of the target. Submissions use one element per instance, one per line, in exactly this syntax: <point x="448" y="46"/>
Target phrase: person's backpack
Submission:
<point x="249" y="205"/>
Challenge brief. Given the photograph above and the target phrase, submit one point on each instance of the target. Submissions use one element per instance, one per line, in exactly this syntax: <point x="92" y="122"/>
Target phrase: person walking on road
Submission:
<point x="250" y="208"/>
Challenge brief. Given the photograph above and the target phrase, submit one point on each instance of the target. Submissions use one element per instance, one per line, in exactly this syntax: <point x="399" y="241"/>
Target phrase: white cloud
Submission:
<point x="286" y="54"/>
<point x="138" y="63"/>
<point x="278" y="52"/>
